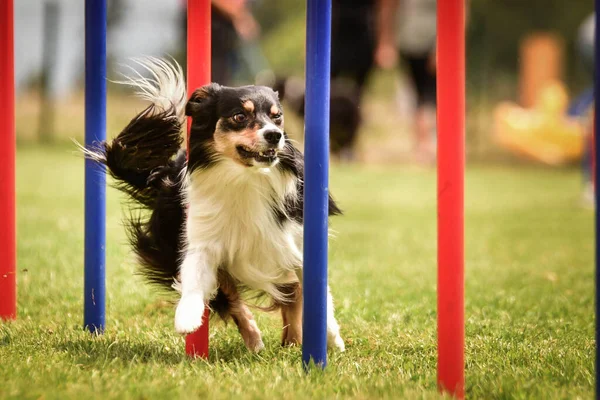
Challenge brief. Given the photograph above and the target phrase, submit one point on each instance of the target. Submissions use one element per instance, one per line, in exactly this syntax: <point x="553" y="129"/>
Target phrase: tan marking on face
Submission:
<point x="248" y="106"/>
<point x="249" y="135"/>
<point x="274" y="110"/>
<point x="226" y="143"/>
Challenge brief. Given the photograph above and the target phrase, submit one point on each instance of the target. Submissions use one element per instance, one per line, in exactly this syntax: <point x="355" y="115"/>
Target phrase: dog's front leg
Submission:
<point x="198" y="283"/>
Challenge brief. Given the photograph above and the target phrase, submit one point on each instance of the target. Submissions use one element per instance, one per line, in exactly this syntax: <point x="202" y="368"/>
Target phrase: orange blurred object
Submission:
<point x="544" y="132"/>
<point x="540" y="62"/>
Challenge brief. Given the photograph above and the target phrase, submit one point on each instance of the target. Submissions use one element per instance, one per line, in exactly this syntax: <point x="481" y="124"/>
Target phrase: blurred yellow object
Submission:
<point x="544" y="133"/>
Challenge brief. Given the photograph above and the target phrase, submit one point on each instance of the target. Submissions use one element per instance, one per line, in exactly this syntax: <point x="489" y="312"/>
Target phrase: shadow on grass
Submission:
<point x="95" y="350"/>
<point x="225" y="349"/>
<point x="234" y="352"/>
<point x="231" y="351"/>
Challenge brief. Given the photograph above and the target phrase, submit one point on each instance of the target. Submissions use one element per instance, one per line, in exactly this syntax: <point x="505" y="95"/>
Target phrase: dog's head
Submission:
<point x="244" y="124"/>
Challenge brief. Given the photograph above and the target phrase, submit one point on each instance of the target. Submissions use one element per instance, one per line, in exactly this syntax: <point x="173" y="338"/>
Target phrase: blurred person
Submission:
<point x="353" y="38"/>
<point x="407" y="29"/>
<point x="235" y="54"/>
<point x="233" y="25"/>
<point x="585" y="48"/>
<point x="585" y="42"/>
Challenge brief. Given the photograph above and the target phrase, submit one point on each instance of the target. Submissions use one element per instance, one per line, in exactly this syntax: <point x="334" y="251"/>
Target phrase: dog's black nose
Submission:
<point x="272" y="137"/>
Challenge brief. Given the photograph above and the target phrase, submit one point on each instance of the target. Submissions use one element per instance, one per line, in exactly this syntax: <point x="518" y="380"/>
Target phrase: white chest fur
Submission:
<point x="230" y="216"/>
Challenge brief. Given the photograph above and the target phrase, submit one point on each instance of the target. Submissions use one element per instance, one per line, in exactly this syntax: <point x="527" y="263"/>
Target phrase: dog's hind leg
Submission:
<point x="291" y="312"/>
<point x="292" y="318"/>
<point x="231" y="304"/>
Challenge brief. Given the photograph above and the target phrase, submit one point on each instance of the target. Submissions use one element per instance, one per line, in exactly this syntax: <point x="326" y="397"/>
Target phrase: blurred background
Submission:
<point x="526" y="68"/>
<point x="529" y="248"/>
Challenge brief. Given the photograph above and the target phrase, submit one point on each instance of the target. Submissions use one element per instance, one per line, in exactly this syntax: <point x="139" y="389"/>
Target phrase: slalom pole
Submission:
<point x="316" y="182"/>
<point x="451" y="168"/>
<point x="198" y="74"/>
<point x="95" y="180"/>
<point x="596" y="176"/>
<point x="8" y="261"/>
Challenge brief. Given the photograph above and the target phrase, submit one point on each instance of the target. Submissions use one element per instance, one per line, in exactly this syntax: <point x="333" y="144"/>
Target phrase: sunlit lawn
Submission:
<point x="529" y="300"/>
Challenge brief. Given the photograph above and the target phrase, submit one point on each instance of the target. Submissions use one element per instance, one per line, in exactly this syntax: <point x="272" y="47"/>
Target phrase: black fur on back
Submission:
<point x="292" y="161"/>
<point x="137" y="156"/>
<point x="158" y="239"/>
<point x="146" y="161"/>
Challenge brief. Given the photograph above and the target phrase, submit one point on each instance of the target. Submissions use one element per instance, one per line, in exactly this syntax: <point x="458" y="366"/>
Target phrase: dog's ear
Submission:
<point x="201" y="99"/>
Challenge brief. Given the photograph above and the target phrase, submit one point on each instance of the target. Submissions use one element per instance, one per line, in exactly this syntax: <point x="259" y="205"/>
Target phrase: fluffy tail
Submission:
<point x="137" y="155"/>
<point x="146" y="162"/>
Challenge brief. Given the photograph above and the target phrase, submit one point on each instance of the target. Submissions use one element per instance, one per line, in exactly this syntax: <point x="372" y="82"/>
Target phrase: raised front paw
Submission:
<point x="188" y="316"/>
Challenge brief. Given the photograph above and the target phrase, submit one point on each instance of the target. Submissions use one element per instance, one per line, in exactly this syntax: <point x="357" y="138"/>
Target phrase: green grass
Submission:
<point x="529" y="301"/>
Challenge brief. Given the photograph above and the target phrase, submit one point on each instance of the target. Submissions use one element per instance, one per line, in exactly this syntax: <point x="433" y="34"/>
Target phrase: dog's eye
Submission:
<point x="239" y="118"/>
<point x="277" y="117"/>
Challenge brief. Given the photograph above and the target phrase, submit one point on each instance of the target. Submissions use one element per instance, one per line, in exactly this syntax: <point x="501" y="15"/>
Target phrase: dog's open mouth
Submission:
<point x="265" y="156"/>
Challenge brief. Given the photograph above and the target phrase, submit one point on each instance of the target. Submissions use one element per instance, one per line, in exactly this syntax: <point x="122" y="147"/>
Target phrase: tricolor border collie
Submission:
<point x="228" y="217"/>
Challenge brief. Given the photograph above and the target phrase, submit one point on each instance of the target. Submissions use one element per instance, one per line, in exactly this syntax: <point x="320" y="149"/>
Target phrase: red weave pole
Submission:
<point x="593" y="153"/>
<point x="451" y="168"/>
<point x="198" y="74"/>
<point x="8" y="262"/>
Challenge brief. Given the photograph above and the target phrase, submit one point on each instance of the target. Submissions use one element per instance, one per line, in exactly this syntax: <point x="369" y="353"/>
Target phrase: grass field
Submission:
<point x="529" y="301"/>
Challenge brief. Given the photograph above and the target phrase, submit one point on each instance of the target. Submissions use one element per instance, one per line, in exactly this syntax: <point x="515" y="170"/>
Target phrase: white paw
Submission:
<point x="252" y="337"/>
<point x="188" y="316"/>
<point x="335" y="342"/>
<point x="256" y="347"/>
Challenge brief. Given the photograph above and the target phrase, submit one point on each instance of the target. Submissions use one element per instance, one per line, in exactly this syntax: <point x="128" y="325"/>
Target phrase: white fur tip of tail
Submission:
<point x="90" y="154"/>
<point x="159" y="81"/>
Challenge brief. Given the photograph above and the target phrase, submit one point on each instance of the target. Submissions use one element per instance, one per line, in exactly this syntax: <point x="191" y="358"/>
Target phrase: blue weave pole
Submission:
<point x="316" y="181"/>
<point x="596" y="186"/>
<point x="95" y="181"/>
